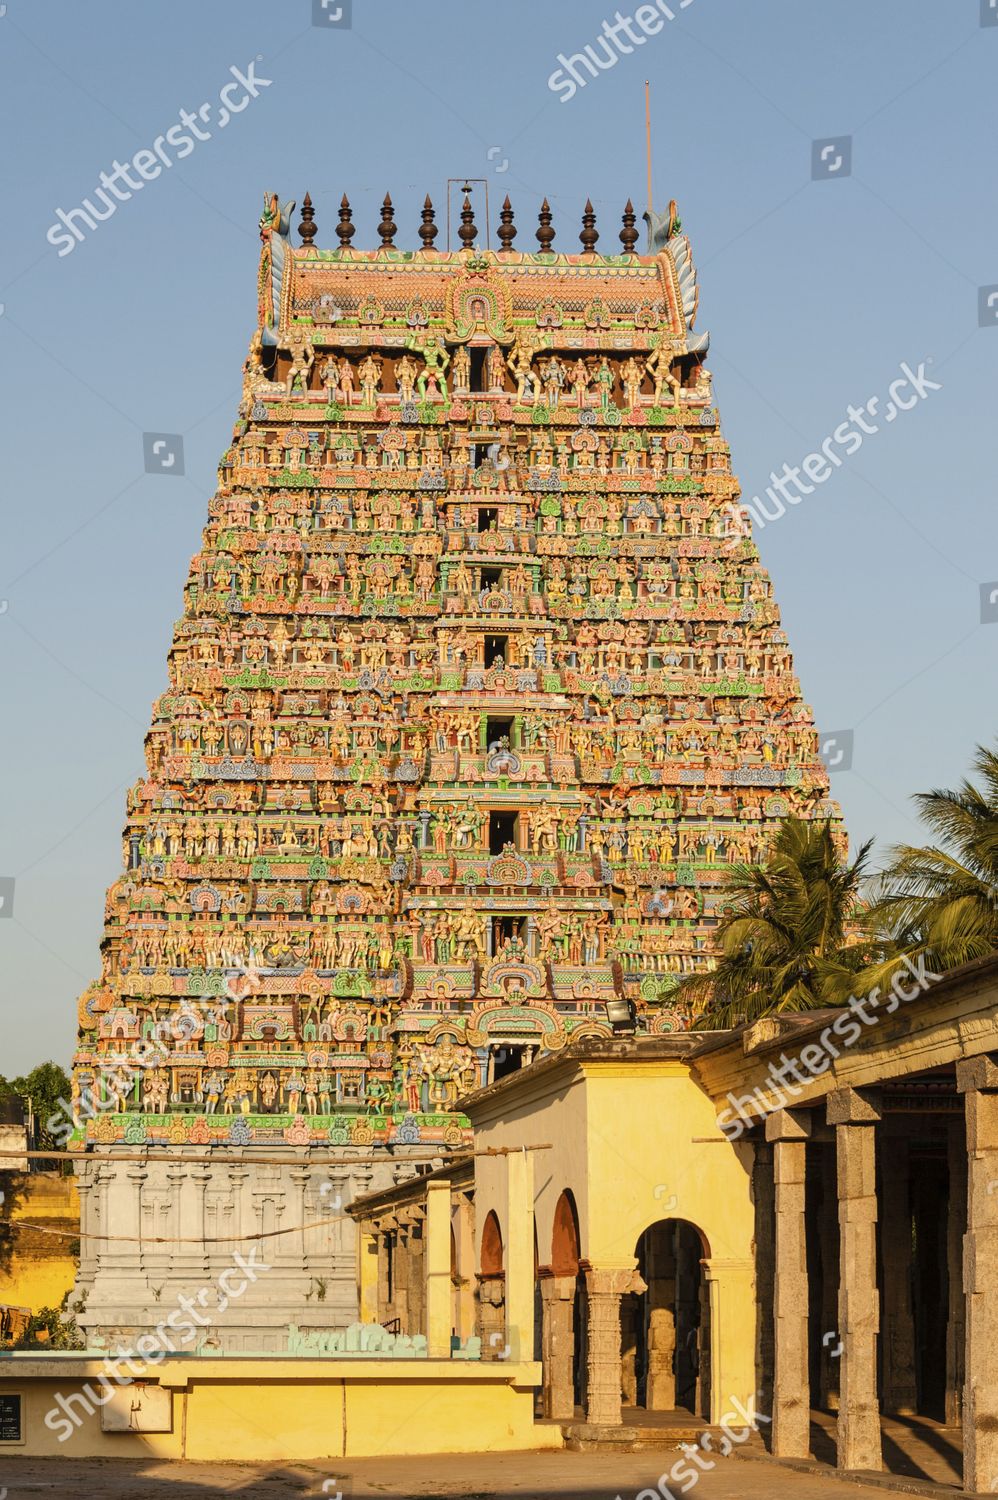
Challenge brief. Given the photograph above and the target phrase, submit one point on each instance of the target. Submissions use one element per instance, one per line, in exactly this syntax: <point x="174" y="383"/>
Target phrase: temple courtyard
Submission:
<point x="583" y="1476"/>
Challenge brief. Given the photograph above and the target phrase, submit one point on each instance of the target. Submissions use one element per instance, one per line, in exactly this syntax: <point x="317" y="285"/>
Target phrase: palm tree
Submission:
<point x="941" y="902"/>
<point x="791" y="940"/>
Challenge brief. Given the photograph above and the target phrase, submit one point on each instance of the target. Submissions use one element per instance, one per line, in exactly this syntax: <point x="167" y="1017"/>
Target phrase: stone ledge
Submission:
<point x="591" y="1437"/>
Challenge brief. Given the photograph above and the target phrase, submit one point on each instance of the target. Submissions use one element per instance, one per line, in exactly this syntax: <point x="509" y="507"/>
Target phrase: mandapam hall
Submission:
<point x="831" y="1247"/>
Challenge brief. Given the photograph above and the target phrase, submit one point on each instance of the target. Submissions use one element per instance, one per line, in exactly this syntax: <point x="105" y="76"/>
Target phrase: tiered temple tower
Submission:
<point x="478" y="689"/>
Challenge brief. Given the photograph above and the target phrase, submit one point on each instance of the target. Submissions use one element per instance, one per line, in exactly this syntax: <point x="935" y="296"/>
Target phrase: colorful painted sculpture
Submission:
<point x="475" y="695"/>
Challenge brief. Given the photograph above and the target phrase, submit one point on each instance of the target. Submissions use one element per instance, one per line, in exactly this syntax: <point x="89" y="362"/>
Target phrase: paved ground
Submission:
<point x="527" y="1476"/>
<point x="913" y="1446"/>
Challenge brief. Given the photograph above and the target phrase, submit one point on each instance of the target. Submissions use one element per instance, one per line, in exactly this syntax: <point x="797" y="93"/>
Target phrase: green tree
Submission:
<point x="45" y="1085"/>
<point x="940" y="902"/>
<point x="53" y="1328"/>
<point x="791" y="940"/>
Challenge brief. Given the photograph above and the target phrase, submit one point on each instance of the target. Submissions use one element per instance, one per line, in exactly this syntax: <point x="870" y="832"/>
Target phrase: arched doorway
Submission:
<point x="563" y="1316"/>
<point x="491" y="1246"/>
<point x="492" y="1290"/>
<point x="665" y="1330"/>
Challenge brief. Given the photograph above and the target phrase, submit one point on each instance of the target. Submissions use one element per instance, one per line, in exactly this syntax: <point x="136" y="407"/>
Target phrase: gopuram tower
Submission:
<point x="477" y="692"/>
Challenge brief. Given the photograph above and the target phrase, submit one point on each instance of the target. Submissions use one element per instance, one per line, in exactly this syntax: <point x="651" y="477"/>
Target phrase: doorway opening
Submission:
<point x="502" y="830"/>
<point x="496" y="646"/>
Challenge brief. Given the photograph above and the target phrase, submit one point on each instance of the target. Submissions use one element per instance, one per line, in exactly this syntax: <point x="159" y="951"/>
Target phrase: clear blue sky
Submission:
<point x="814" y="292"/>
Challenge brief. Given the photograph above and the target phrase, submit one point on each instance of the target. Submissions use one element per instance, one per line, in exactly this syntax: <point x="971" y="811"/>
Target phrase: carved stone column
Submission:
<point x="977" y="1079"/>
<point x="604" y="1289"/>
<point x="84" y="1187"/>
<point x="787" y="1131"/>
<point x="855" y="1116"/>
<point x="558" y="1347"/>
<point x="492" y="1315"/>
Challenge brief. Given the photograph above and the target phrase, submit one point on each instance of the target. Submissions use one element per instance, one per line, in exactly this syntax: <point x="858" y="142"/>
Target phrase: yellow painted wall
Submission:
<point x="42" y="1268"/>
<point x="655" y="1152"/>
<point x="270" y="1410"/>
<point x="635" y="1142"/>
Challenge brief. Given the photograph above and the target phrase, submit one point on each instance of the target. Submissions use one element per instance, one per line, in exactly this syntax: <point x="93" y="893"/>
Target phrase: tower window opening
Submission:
<point x="505" y="928"/>
<point x="496" y="646"/>
<point x="497" y="729"/>
<point x="502" y="830"/>
<point x="506" y="1060"/>
<point x="491" y="578"/>
<point x="488" y="517"/>
<point x="478" y="359"/>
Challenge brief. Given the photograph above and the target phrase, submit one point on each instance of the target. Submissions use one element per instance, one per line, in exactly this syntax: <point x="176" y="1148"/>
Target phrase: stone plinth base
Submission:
<point x="216" y="1252"/>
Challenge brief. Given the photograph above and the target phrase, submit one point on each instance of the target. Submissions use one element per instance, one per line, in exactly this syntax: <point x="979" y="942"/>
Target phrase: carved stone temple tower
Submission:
<point x="476" y="692"/>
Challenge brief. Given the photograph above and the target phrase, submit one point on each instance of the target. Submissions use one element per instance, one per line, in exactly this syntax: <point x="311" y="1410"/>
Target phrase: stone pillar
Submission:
<point x="727" y="1367"/>
<point x="558" y="1347"/>
<point x="519" y="1255"/>
<point x="385" y="1289"/>
<point x="401" y="1268"/>
<point x="415" y="1250"/>
<point x="660" y="1394"/>
<point x="88" y="1228"/>
<point x="604" y="1289"/>
<point x="464" y="1234"/>
<point x="977" y="1079"/>
<point x="855" y="1116"/>
<point x="492" y="1316"/>
<point x="956" y="1220"/>
<point x="828" y="1244"/>
<point x="764" y="1200"/>
<point x="897" y="1349"/>
<point x="787" y="1131"/>
<point x="436" y="1269"/>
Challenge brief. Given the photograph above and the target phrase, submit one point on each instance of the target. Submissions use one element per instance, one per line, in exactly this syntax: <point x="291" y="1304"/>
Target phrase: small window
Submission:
<point x="507" y="1060"/>
<point x="498" y="729"/>
<point x="496" y="646"/>
<point x="504" y="928"/>
<point x="478" y="358"/>
<point x="502" y="830"/>
<point x="488" y="518"/>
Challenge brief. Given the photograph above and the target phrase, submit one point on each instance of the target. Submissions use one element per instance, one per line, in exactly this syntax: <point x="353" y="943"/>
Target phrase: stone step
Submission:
<point x="586" y="1437"/>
